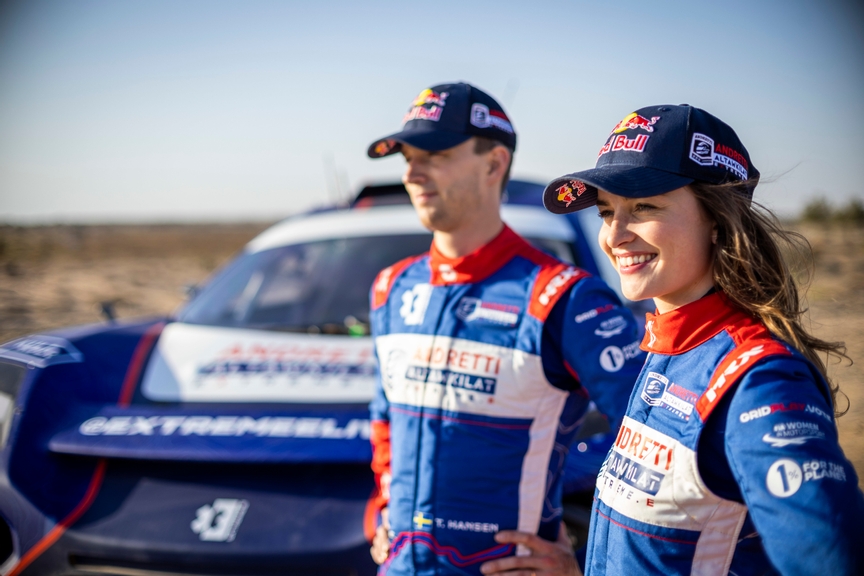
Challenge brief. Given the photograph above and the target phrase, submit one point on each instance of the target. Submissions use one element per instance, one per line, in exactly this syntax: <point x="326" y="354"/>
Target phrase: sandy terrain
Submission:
<point x="58" y="276"/>
<point x="836" y="300"/>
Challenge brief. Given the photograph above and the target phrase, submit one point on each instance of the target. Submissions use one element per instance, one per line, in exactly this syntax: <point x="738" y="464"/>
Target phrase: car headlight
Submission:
<point x="11" y="376"/>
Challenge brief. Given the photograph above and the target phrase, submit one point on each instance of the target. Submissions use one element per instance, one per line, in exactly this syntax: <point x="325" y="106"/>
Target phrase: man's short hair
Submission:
<point x="483" y="145"/>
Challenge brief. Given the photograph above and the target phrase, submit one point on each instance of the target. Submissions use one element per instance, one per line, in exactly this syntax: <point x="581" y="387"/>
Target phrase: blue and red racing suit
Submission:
<point x="487" y="364"/>
<point x="727" y="460"/>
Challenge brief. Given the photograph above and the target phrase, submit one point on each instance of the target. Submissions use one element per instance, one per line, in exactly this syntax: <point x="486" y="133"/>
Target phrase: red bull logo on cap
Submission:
<point x="384" y="146"/>
<point x="427" y="96"/>
<point x="419" y="111"/>
<point x="565" y="192"/>
<point x="634" y="121"/>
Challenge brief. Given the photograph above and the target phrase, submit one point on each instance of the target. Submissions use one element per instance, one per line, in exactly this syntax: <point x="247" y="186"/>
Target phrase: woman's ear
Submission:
<point x="714" y="233"/>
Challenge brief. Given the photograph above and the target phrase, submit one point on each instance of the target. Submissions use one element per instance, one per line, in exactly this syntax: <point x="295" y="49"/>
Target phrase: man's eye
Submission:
<point x="605" y="214"/>
<point x="644" y="207"/>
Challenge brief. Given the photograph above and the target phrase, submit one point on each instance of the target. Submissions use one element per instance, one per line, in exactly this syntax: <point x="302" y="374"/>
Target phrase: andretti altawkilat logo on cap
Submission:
<point x="704" y="152"/>
<point x="482" y="117"/>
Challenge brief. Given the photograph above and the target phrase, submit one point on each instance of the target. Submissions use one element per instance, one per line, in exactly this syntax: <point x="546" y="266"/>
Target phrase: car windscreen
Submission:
<point x="314" y="287"/>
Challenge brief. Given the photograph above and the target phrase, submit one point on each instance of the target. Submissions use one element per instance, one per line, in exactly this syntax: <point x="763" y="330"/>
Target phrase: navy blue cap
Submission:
<point x="445" y="116"/>
<point x="653" y="151"/>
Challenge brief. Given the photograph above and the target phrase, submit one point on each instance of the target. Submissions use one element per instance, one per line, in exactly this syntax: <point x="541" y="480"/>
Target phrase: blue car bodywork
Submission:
<point x="101" y="474"/>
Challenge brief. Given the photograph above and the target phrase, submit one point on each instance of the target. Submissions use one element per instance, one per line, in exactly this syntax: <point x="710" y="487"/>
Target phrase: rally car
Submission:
<point x="232" y="437"/>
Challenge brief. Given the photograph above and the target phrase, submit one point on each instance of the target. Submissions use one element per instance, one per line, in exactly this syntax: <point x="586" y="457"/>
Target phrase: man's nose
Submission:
<point x="415" y="172"/>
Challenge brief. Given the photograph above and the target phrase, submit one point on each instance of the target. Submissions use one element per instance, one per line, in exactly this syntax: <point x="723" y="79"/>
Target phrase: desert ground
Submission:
<point x="54" y="276"/>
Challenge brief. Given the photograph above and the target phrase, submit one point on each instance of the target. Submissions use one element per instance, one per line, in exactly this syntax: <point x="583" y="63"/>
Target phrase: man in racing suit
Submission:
<point x="489" y="352"/>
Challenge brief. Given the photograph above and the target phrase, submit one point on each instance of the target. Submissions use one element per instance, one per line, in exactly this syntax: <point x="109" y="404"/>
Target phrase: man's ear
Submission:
<point x="499" y="160"/>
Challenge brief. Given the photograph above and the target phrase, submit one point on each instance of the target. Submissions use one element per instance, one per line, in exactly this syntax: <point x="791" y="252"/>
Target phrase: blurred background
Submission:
<point x="211" y="110"/>
<point x="142" y="143"/>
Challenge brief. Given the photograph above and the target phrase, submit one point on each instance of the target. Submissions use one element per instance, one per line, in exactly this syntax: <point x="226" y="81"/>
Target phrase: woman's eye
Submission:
<point x="604" y="214"/>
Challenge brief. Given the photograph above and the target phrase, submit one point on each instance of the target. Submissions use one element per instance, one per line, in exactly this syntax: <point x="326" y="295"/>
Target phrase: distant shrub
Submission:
<point x="817" y="210"/>
<point x="852" y="213"/>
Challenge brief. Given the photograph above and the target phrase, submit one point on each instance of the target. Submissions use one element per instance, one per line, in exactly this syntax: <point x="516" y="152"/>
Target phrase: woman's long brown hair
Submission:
<point x="753" y="270"/>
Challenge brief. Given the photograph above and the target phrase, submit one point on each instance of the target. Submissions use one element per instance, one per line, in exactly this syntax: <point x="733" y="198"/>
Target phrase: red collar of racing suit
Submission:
<point x="478" y="265"/>
<point x="690" y="325"/>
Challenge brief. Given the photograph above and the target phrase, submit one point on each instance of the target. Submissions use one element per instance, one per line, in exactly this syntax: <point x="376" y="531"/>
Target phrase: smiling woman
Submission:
<point x="728" y="458"/>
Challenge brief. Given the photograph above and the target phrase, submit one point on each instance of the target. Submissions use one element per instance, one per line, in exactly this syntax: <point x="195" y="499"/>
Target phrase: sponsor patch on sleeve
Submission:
<point x="793" y="433"/>
<point x="733" y="367"/>
<point x="612" y="358"/>
<point x="551" y="283"/>
<point x="786" y="476"/>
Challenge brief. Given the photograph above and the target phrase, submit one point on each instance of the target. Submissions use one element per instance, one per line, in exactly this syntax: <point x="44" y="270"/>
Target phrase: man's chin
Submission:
<point x="435" y="221"/>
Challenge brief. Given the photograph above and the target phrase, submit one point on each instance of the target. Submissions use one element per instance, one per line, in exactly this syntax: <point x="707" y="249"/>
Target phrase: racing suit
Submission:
<point x="727" y="460"/>
<point x="487" y="364"/>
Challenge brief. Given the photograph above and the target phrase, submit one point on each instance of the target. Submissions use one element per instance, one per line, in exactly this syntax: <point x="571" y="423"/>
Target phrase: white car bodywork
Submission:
<point x="200" y="363"/>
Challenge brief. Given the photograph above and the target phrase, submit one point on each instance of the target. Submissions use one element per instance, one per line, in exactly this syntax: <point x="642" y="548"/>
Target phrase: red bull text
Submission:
<point x="621" y="142"/>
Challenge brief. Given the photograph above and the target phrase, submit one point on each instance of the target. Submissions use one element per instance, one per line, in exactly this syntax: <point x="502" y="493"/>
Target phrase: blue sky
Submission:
<point x="208" y="110"/>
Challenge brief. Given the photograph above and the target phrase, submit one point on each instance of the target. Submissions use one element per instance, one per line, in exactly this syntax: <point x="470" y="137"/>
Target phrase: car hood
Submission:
<point x="180" y="392"/>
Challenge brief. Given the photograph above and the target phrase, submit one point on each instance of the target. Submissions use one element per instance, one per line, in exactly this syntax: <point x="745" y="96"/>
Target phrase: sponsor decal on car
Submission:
<point x="212" y="364"/>
<point x="288" y="368"/>
<point x="41" y="351"/>
<point x="219" y="522"/>
<point x="187" y="425"/>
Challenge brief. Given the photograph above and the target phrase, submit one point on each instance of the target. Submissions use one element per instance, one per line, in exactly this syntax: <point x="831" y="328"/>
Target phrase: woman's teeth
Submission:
<point x="631" y="260"/>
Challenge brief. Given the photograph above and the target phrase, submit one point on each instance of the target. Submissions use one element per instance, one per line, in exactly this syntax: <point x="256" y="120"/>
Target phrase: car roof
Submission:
<point x="530" y="221"/>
